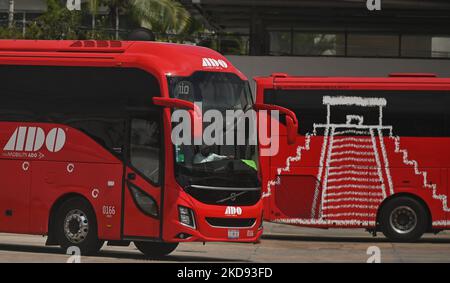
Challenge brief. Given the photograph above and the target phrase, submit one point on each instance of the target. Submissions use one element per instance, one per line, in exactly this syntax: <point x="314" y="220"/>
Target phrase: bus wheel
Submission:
<point x="403" y="219"/>
<point x="155" y="250"/>
<point x="76" y="226"/>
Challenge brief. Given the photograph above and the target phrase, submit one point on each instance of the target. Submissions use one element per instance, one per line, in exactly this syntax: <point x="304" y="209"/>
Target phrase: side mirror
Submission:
<point x="194" y="111"/>
<point x="291" y="119"/>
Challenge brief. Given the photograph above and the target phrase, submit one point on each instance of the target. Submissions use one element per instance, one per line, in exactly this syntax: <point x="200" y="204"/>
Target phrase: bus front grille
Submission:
<point x="231" y="222"/>
<point x="224" y="196"/>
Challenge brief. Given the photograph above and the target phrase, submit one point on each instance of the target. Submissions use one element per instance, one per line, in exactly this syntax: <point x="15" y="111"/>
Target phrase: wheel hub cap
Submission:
<point x="403" y="219"/>
<point x="76" y="226"/>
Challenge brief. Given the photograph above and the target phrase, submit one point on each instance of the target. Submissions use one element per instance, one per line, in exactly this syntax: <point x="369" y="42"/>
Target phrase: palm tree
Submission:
<point x="161" y="16"/>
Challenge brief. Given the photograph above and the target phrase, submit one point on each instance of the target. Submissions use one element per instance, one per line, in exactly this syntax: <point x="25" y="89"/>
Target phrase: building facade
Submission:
<point x="323" y="37"/>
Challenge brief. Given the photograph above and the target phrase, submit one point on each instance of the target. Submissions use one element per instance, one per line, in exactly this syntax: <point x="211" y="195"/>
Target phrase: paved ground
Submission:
<point x="281" y="243"/>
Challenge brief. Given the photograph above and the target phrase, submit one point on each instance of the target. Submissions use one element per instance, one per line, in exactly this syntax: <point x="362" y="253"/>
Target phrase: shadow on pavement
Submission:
<point x="113" y="254"/>
<point x="285" y="237"/>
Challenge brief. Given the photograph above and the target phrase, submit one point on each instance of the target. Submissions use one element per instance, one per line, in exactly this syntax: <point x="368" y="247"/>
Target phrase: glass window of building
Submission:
<point x="318" y="44"/>
<point x="373" y="45"/>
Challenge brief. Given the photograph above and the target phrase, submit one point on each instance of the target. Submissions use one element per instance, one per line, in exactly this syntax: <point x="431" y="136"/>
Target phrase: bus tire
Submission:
<point x="155" y="249"/>
<point x="76" y="225"/>
<point x="403" y="219"/>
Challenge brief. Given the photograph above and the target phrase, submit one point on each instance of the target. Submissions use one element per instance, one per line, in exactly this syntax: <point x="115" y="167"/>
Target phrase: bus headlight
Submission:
<point x="186" y="216"/>
<point x="144" y="201"/>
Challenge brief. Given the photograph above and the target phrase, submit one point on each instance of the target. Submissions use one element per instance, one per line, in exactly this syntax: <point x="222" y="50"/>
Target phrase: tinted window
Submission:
<point x="145" y="147"/>
<point x="411" y="113"/>
<point x="109" y="133"/>
<point x="220" y="91"/>
<point x="94" y="100"/>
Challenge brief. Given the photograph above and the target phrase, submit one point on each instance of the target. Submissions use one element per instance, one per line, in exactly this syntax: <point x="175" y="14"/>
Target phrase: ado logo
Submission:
<point x="31" y="139"/>
<point x="213" y="63"/>
<point x="233" y="210"/>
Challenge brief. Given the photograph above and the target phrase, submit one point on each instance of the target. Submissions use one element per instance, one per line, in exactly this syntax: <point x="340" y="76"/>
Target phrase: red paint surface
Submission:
<point x="290" y="199"/>
<point x="32" y="193"/>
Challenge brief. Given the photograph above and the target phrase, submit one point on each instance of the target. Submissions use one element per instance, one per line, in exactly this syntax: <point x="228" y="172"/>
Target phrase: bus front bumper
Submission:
<point x="214" y="223"/>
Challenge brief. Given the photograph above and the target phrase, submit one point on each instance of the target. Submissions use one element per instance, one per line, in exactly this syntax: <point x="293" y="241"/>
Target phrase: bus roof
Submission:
<point x="160" y="59"/>
<point x="394" y="81"/>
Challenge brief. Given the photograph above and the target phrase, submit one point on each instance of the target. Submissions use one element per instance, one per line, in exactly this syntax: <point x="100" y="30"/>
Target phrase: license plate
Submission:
<point x="233" y="234"/>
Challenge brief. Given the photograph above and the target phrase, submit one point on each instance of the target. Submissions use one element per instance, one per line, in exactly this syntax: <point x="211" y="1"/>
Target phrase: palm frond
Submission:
<point x="163" y="16"/>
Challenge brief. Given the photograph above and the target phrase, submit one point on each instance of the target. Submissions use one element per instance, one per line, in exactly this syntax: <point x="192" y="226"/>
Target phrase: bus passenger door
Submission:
<point x="142" y="195"/>
<point x="14" y="196"/>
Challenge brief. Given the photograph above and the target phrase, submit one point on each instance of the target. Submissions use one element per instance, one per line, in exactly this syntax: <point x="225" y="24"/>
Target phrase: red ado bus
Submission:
<point x="86" y="153"/>
<point x="372" y="153"/>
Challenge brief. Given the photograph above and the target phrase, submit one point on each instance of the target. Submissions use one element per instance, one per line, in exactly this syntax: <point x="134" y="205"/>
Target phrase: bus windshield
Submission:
<point x="216" y="165"/>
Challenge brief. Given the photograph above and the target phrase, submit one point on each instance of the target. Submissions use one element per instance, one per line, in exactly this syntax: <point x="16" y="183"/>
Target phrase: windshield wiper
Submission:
<point x="212" y="178"/>
<point x="232" y="197"/>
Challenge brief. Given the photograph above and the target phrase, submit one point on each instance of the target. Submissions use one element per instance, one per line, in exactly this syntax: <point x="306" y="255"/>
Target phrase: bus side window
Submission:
<point x="145" y="147"/>
<point x="107" y="133"/>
